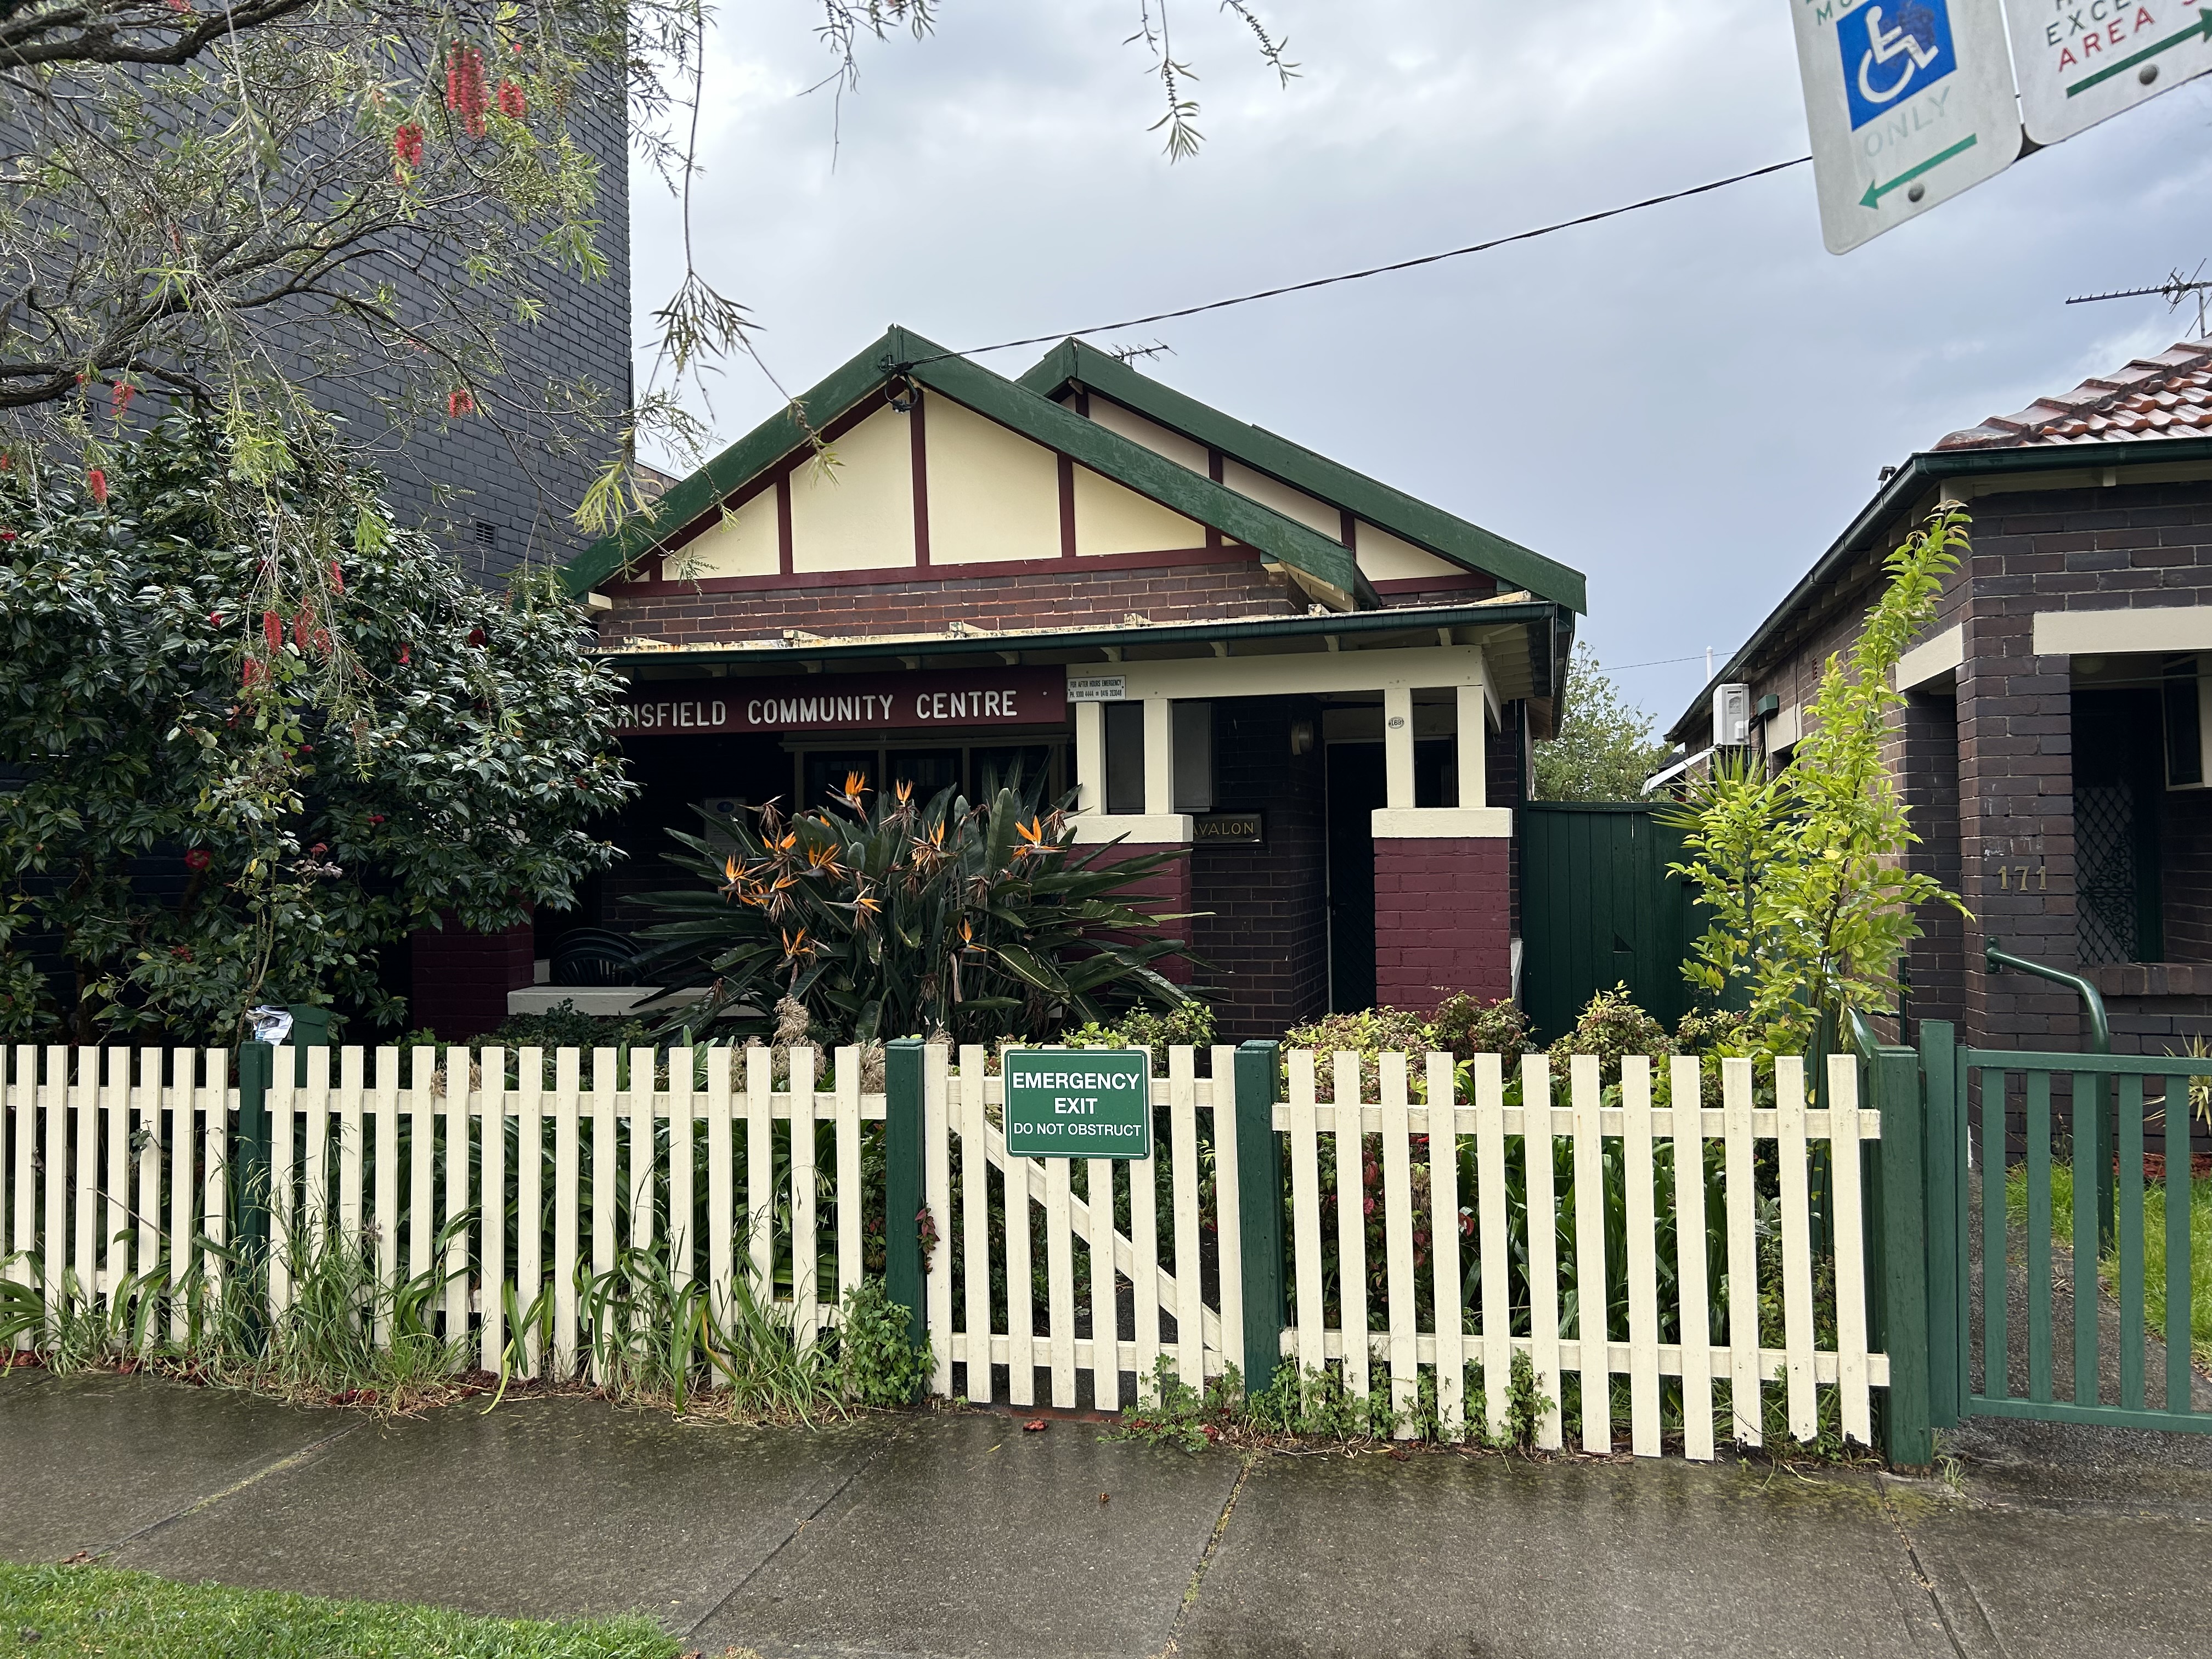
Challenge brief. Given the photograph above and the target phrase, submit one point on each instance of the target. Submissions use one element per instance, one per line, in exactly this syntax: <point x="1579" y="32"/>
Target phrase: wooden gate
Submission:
<point x="1109" y="1264"/>
<point x="1598" y="909"/>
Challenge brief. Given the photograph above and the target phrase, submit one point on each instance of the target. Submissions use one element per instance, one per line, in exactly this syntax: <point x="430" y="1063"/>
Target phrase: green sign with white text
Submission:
<point x="1078" y="1102"/>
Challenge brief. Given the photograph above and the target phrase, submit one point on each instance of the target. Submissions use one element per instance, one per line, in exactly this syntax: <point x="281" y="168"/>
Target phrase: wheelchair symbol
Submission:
<point x="1892" y="48"/>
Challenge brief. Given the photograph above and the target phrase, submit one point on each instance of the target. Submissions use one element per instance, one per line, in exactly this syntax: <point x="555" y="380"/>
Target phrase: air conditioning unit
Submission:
<point x="1731" y="716"/>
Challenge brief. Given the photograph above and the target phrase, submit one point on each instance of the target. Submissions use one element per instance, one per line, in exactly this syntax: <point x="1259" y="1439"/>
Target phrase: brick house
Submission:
<point x="2053" y="746"/>
<point x="1322" y="687"/>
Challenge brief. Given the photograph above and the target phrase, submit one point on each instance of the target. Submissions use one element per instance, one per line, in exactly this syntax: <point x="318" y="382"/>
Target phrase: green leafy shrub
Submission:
<point x="1190" y="1025"/>
<point x="1612" y="1027"/>
<point x="1469" y="1025"/>
<point x="878" y="1364"/>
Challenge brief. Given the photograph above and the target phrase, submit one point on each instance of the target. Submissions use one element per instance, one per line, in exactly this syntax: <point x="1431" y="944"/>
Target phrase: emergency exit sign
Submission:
<point x="1078" y="1102"/>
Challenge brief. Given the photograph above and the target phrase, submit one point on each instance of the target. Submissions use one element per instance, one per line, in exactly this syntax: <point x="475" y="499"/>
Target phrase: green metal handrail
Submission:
<point x="2100" y="1029"/>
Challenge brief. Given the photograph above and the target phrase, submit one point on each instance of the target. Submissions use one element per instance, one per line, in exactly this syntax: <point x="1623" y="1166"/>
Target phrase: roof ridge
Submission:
<point x="2101" y="408"/>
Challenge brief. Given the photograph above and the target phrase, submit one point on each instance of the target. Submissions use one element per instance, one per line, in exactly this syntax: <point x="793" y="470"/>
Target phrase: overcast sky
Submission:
<point x="1687" y="404"/>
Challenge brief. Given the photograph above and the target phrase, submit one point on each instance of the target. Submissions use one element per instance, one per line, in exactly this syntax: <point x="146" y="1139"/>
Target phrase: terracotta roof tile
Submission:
<point x="2166" y="395"/>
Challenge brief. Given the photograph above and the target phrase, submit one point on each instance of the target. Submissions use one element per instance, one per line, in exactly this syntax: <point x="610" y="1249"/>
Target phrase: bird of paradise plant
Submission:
<point x="883" y="915"/>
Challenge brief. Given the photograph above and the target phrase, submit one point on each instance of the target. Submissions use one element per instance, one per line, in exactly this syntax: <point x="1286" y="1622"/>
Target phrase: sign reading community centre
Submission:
<point x="847" y="702"/>
<point x="1078" y="1102"/>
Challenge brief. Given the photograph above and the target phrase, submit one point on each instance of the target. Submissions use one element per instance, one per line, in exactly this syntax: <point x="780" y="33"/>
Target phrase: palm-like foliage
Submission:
<point x="903" y="917"/>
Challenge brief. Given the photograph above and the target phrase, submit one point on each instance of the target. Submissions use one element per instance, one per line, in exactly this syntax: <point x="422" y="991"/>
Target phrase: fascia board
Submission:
<point x="1132" y="466"/>
<point x="1443" y="533"/>
<point x="763" y="448"/>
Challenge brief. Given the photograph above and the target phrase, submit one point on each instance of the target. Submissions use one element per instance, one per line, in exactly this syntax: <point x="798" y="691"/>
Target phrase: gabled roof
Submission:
<point x="1469" y="545"/>
<point x="2168" y="396"/>
<point x="1324" y="566"/>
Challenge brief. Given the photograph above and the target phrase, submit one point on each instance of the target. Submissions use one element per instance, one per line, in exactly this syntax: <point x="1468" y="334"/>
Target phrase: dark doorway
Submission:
<point x="1356" y="789"/>
<point x="2119" y="785"/>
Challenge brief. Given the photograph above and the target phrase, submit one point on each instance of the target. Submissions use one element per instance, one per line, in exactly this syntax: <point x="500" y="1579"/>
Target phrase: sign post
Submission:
<point x="1078" y="1102"/>
<point x="2080" y="61"/>
<point x="1909" y="102"/>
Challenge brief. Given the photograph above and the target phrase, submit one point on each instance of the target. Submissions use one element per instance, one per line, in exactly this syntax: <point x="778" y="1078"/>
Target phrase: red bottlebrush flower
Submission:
<point x="321" y="641"/>
<point x="337" y="578"/>
<point x="512" y="103"/>
<point x="406" y="655"/>
<point x="476" y="636"/>
<point x="303" y="627"/>
<point x="251" y="672"/>
<point x="123" y="393"/>
<point x="407" y="144"/>
<point x="272" y="629"/>
<point x="319" y="849"/>
<point x="197" y="858"/>
<point x="182" y="953"/>
<point x="376" y="818"/>
<point x="180" y="6"/>
<point x="458" y="404"/>
<point x="98" y="482"/>
<point x="465" y="87"/>
<point x="7" y="535"/>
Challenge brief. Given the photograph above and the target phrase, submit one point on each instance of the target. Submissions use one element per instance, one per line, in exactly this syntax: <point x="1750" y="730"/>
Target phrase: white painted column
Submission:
<point x="1398" y="749"/>
<point x="1089" y="758"/>
<point x="1473" y="713"/>
<point x="1159" y="757"/>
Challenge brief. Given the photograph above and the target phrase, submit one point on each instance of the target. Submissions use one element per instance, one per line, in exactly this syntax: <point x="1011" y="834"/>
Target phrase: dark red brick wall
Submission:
<point x="1193" y="586"/>
<point x="461" y="979"/>
<point x="1505" y="759"/>
<point x="1924" y="759"/>
<point x="1264" y="936"/>
<point x="1442" y="921"/>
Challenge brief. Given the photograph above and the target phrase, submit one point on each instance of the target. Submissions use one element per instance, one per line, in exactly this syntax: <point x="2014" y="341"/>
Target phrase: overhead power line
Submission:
<point x="1377" y="270"/>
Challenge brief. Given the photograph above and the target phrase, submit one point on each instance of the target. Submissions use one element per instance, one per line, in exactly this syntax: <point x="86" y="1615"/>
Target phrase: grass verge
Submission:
<point x="2154" y="1297"/>
<point x="55" y="1611"/>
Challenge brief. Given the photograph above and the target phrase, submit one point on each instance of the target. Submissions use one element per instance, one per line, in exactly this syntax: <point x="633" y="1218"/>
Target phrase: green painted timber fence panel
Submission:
<point x="1598" y="909"/>
<point x="1260" y="1218"/>
<point x="1947" y="1160"/>
<point x="1894" y="1088"/>
<point x="2098" y="1140"/>
<point x="903" y="1182"/>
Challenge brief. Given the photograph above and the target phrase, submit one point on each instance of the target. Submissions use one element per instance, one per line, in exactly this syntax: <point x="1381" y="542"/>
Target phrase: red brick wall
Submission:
<point x="1441" y="919"/>
<point x="461" y="979"/>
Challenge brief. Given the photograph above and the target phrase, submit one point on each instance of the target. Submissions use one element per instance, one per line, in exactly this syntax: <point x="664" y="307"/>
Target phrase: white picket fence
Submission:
<point x="1485" y="1333"/>
<point x="388" y="1156"/>
<point x="115" y="1164"/>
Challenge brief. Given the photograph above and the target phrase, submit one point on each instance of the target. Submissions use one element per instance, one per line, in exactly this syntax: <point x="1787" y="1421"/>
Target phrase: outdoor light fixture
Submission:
<point x="1302" y="737"/>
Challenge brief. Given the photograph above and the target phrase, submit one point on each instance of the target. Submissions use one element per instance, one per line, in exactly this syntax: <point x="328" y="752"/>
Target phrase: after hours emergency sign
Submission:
<point x="1078" y="1102"/>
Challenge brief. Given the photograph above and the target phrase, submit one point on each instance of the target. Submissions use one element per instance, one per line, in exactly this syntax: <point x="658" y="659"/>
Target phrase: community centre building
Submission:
<point x="1324" y="688"/>
<point x="2055" y="748"/>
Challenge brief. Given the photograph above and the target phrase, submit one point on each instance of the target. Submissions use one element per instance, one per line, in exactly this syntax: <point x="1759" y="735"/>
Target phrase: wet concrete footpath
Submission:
<point x="961" y="1534"/>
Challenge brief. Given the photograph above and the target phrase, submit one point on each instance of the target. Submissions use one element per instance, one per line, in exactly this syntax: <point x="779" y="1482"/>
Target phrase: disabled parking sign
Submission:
<point x="1909" y="103"/>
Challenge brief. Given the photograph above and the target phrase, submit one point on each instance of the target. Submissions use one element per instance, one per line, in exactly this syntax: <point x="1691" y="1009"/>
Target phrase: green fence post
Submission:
<point x="1260" y="1219"/>
<point x="902" y="1194"/>
<point x="1904" y="1254"/>
<point x="311" y="1029"/>
<point x="1939" y="1078"/>
<point x="249" y="1162"/>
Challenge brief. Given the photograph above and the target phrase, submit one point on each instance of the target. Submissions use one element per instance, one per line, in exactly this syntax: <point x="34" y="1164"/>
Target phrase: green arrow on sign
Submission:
<point x="1875" y="192"/>
<point x="2200" y="30"/>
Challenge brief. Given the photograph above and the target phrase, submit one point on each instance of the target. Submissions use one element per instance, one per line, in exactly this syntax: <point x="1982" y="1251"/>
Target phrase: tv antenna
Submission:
<point x="2174" y="290"/>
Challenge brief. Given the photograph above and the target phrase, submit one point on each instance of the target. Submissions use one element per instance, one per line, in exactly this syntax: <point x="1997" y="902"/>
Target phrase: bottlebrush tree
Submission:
<point x="211" y="801"/>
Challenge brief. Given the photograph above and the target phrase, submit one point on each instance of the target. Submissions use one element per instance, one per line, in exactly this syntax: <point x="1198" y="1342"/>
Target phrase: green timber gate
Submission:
<point x="1598" y="909"/>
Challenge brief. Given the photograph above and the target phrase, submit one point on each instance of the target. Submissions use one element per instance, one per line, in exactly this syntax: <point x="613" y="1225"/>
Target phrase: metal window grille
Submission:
<point x="2105" y="846"/>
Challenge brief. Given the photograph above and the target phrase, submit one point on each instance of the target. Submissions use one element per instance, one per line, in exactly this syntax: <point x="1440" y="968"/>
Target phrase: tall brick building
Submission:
<point x="1219" y="640"/>
<point x="2053" y="748"/>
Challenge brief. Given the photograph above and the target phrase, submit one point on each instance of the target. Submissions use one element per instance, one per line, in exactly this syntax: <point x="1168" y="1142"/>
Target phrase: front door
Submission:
<point x="1356" y="789"/>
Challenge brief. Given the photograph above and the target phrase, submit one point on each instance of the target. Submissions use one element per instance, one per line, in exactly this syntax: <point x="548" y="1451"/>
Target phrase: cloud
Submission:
<point x="1687" y="404"/>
